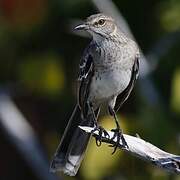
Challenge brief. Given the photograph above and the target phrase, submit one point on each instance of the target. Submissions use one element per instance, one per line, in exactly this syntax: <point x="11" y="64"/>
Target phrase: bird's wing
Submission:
<point x="85" y="74"/>
<point x="125" y="94"/>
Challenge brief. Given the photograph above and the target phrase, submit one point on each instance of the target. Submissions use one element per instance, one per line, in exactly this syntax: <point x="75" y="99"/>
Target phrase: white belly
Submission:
<point x="109" y="84"/>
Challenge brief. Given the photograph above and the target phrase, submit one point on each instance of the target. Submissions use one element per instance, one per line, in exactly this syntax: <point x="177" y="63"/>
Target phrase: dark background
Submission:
<point x="39" y="56"/>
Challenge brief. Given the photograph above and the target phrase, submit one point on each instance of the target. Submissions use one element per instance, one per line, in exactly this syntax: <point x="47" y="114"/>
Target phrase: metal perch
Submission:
<point x="142" y="149"/>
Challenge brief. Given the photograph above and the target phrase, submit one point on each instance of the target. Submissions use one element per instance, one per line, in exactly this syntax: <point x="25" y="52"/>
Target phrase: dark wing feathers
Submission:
<point x="85" y="63"/>
<point x="125" y="94"/>
<point x="85" y="75"/>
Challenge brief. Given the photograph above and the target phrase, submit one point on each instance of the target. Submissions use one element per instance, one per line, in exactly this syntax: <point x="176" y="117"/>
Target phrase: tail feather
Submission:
<point x="70" y="152"/>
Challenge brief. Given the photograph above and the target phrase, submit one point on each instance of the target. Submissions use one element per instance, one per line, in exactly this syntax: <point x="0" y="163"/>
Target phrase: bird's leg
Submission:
<point x="117" y="132"/>
<point x="90" y="107"/>
<point x="97" y="127"/>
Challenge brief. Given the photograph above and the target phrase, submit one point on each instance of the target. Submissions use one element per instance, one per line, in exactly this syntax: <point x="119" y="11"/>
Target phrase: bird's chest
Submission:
<point x="108" y="83"/>
<point x="112" y="71"/>
<point x="105" y="54"/>
<point x="110" y="54"/>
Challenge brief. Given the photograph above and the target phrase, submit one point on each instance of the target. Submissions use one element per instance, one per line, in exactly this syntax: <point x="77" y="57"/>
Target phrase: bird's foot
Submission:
<point x="102" y="132"/>
<point x="118" y="134"/>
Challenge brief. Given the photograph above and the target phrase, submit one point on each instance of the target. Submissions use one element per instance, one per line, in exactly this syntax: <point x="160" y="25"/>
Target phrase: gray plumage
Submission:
<point x="108" y="70"/>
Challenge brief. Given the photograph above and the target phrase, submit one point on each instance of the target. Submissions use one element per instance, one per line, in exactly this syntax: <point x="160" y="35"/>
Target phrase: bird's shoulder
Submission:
<point x="130" y="51"/>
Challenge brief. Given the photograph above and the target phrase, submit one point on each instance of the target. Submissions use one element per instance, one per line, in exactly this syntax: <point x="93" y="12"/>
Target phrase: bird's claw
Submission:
<point x="118" y="134"/>
<point x="102" y="132"/>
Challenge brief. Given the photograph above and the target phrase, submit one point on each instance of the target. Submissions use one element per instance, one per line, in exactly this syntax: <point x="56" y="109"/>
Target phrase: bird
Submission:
<point x="108" y="70"/>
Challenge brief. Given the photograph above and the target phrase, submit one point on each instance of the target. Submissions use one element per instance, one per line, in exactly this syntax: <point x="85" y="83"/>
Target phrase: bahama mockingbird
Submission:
<point x="107" y="73"/>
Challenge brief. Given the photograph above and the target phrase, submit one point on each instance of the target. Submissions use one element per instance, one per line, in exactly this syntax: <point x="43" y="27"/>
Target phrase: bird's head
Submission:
<point x="99" y="26"/>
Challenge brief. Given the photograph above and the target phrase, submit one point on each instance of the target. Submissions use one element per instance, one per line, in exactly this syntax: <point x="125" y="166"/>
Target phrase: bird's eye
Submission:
<point x="101" y="22"/>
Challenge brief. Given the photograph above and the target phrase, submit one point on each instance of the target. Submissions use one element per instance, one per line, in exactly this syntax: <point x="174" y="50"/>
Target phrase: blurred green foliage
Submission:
<point x="175" y="100"/>
<point x="43" y="75"/>
<point x="39" y="63"/>
<point x="170" y="15"/>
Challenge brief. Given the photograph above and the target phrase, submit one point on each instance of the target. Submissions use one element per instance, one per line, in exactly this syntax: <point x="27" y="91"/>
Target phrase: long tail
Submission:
<point x="72" y="147"/>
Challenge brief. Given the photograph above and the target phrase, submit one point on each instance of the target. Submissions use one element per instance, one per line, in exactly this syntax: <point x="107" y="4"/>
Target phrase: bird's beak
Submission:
<point x="81" y="27"/>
